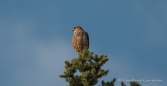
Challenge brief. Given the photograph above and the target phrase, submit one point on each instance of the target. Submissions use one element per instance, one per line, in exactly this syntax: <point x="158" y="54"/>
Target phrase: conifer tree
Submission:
<point x="111" y="83"/>
<point x="133" y="83"/>
<point x="90" y="70"/>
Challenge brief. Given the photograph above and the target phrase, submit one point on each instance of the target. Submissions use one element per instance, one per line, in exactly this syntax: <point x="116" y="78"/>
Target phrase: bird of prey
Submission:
<point x="80" y="39"/>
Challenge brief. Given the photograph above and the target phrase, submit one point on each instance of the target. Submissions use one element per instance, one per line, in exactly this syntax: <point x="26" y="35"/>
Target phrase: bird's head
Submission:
<point x="77" y="28"/>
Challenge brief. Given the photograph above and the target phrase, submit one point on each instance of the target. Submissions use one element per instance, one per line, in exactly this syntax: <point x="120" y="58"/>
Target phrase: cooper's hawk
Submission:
<point x="80" y="39"/>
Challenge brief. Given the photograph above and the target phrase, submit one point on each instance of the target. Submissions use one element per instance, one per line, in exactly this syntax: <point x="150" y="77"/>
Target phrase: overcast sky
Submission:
<point x="35" y="39"/>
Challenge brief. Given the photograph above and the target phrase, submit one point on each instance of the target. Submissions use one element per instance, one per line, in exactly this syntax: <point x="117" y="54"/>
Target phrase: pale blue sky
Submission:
<point x="36" y="37"/>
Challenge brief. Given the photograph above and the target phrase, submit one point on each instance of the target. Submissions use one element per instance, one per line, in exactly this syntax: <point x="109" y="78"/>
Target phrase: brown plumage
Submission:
<point x="80" y="39"/>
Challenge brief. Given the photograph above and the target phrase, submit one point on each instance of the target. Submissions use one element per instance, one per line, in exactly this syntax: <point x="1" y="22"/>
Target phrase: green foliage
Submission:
<point x="134" y="84"/>
<point x="122" y="84"/>
<point x="88" y="65"/>
<point x="111" y="83"/>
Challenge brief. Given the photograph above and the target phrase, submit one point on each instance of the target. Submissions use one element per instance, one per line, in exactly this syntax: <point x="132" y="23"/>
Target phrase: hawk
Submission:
<point x="80" y="39"/>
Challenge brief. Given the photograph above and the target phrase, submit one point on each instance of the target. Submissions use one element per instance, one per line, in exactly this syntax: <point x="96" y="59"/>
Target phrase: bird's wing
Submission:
<point x="86" y="40"/>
